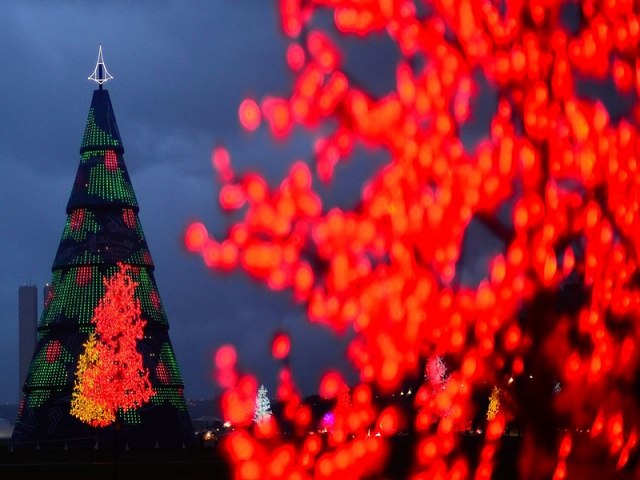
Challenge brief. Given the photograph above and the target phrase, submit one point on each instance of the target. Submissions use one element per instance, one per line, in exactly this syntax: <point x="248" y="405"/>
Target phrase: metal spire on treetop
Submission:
<point x="100" y="73"/>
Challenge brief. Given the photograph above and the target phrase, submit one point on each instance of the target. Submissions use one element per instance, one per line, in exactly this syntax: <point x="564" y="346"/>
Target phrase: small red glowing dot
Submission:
<point x="280" y="346"/>
<point x="330" y="385"/>
<point x="249" y="114"/>
<point x="295" y="57"/>
<point x="196" y="237"/>
<point x="226" y="357"/>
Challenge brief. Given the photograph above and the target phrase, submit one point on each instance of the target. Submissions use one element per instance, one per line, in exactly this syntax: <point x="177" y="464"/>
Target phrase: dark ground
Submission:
<point x="197" y="463"/>
<point x="207" y="463"/>
<point x="99" y="465"/>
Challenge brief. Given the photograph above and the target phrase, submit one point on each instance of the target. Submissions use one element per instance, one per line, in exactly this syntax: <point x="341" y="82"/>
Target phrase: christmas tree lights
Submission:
<point x="83" y="375"/>
<point x="94" y="136"/>
<point x="84" y="404"/>
<point x="494" y="404"/>
<point x="110" y="374"/>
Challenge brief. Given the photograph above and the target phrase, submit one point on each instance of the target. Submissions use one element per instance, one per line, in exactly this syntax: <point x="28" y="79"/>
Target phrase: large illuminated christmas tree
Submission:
<point x="102" y="235"/>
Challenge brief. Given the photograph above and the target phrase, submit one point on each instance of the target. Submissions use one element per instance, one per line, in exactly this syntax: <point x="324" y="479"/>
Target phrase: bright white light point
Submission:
<point x="100" y="74"/>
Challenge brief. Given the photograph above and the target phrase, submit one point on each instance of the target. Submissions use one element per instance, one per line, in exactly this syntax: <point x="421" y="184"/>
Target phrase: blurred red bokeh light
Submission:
<point x="553" y="321"/>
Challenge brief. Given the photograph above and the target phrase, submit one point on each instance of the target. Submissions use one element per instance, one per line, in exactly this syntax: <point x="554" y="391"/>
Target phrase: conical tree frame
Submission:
<point x="102" y="229"/>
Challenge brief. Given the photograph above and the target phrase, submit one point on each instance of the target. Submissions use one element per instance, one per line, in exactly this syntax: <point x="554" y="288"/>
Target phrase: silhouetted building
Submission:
<point x="102" y="230"/>
<point x="27" y="324"/>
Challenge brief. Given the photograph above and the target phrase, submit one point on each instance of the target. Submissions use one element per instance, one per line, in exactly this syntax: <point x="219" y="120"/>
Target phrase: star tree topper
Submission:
<point x="100" y="74"/>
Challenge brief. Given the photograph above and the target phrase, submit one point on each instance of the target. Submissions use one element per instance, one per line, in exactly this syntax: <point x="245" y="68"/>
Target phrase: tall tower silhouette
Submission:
<point x="102" y="230"/>
<point x="27" y="323"/>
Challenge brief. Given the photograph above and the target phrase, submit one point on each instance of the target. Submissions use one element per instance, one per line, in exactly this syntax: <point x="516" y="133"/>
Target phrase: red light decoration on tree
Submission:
<point x="77" y="218"/>
<point x="556" y="181"/>
<point x="110" y="374"/>
<point x="83" y="275"/>
<point x="110" y="161"/>
<point x="54" y="349"/>
<point x="163" y="373"/>
<point x="155" y="299"/>
<point x="129" y="217"/>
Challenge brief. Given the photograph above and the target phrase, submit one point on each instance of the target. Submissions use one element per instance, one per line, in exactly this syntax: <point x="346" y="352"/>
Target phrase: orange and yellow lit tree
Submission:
<point x="110" y="374"/>
<point x="556" y="181"/>
<point x="494" y="404"/>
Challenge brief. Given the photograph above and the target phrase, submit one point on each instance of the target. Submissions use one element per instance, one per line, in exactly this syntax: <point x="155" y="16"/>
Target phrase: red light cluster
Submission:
<point x="77" y="219"/>
<point x="129" y="217"/>
<point x="556" y="180"/>
<point x="114" y="376"/>
<point x="84" y="275"/>
<point x="54" y="349"/>
<point x="110" y="160"/>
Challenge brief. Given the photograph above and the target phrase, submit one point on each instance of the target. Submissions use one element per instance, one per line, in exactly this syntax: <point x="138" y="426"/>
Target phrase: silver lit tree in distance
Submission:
<point x="263" y="406"/>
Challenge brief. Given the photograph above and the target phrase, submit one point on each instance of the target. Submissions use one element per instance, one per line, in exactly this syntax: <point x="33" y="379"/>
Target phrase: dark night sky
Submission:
<point x="181" y="68"/>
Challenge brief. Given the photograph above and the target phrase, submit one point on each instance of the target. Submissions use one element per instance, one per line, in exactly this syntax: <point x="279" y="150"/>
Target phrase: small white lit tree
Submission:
<point x="263" y="406"/>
